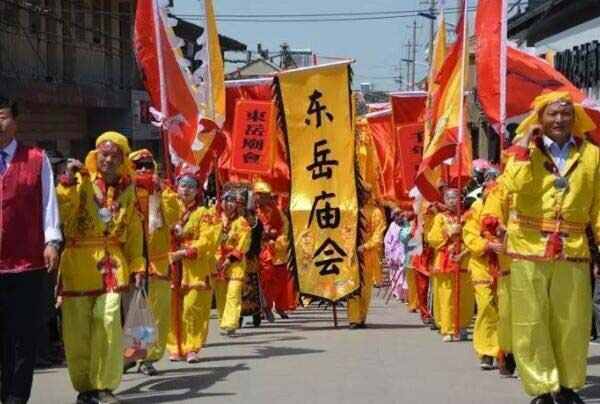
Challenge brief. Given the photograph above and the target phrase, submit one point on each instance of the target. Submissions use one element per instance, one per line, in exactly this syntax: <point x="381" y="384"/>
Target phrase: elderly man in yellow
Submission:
<point x="483" y="265"/>
<point x="159" y="211"/>
<point x="554" y="176"/>
<point x="228" y="276"/>
<point x="104" y="242"/>
<point x="494" y="217"/>
<point x="196" y="234"/>
<point x="372" y="250"/>
<point x="450" y="258"/>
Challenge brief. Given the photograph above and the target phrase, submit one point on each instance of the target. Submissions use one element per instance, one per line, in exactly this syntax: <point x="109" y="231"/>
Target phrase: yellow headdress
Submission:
<point x="121" y="142"/>
<point x="261" y="187"/>
<point x="581" y="125"/>
<point x="142" y="154"/>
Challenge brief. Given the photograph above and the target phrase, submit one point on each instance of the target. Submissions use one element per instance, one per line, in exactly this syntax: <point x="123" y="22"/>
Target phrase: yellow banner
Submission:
<point x="316" y="104"/>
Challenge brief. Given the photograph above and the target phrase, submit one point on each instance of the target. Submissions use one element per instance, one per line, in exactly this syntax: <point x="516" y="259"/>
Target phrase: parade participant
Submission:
<point x="253" y="299"/>
<point x="445" y="237"/>
<point x="422" y="264"/>
<point x="494" y="217"/>
<point x="276" y="280"/>
<point x="483" y="265"/>
<point x="29" y="216"/>
<point x="372" y="250"/>
<point x="394" y="256"/>
<point x="104" y="242"/>
<point x="228" y="276"/>
<point x="554" y="179"/>
<point x="159" y="211"/>
<point x="196" y="236"/>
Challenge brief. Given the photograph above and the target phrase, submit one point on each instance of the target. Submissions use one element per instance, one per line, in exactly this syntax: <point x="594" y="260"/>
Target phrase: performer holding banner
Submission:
<point x="104" y="242"/>
<point x="316" y="110"/>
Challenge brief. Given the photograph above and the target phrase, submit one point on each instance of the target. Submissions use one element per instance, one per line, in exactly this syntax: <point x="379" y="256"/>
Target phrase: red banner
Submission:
<point x="409" y="145"/>
<point x="252" y="137"/>
<point x="382" y="135"/>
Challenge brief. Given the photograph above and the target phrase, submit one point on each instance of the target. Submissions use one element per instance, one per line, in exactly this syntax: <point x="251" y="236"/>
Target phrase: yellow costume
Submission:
<point x="104" y="243"/>
<point x="485" y="333"/>
<point x="200" y="231"/>
<point x="413" y="303"/>
<point x="160" y="211"/>
<point x="444" y="272"/>
<point x="358" y="306"/>
<point x="228" y="284"/>
<point x="550" y="279"/>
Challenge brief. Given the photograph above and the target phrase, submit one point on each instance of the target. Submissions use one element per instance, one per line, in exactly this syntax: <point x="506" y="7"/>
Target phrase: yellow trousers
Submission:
<point x="446" y="305"/>
<point x="93" y="341"/>
<point x="551" y="318"/>
<point x="159" y="299"/>
<point x="413" y="303"/>
<point x="504" y="314"/>
<point x="189" y="322"/>
<point x="228" y="295"/>
<point x="485" y="332"/>
<point x="358" y="306"/>
<point x="435" y="299"/>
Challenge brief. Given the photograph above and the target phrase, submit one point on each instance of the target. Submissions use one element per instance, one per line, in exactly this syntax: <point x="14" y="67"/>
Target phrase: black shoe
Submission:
<point x="87" y="397"/>
<point x="269" y="316"/>
<point x="283" y="314"/>
<point x="354" y="326"/>
<point x="107" y="397"/>
<point x="567" y="396"/>
<point x="543" y="399"/>
<point x="433" y="327"/>
<point x="487" y="363"/>
<point x="14" y="400"/>
<point x="128" y="366"/>
<point x="147" y="369"/>
<point x="510" y="364"/>
<point x="362" y="325"/>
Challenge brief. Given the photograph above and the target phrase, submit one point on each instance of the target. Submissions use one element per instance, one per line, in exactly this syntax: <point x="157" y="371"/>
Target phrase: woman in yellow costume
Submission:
<point x="450" y="258"/>
<point x="159" y="210"/>
<point x="196" y="235"/>
<point x="228" y="275"/>
<point x="554" y="179"/>
<point x="104" y="242"/>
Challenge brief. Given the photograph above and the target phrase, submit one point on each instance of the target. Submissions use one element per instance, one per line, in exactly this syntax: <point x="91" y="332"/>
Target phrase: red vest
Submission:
<point x="21" y="215"/>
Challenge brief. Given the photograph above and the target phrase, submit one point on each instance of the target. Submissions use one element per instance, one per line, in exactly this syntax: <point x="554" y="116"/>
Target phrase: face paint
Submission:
<point x="109" y="158"/>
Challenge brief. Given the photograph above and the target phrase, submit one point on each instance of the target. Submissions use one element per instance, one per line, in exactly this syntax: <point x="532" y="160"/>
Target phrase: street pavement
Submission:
<point x="305" y="360"/>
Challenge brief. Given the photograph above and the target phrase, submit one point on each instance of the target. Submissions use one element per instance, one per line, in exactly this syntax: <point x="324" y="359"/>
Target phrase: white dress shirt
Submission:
<point x="49" y="202"/>
<point x="559" y="154"/>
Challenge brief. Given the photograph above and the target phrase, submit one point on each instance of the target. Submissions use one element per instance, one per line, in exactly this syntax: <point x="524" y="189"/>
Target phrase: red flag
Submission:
<point x="382" y="135"/>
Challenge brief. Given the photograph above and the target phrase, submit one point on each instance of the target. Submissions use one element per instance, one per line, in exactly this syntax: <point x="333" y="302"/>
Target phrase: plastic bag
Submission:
<point x="139" y="331"/>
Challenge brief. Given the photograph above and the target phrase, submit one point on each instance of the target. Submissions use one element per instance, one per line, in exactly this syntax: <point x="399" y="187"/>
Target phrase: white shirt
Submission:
<point x="558" y="154"/>
<point x="49" y="202"/>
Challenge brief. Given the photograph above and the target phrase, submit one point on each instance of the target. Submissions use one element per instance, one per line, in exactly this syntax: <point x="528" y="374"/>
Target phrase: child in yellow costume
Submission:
<point x="444" y="236"/>
<point x="372" y="250"/>
<point x="482" y="263"/>
<point x="228" y="276"/>
<point x="554" y="176"/>
<point x="104" y="241"/>
<point x="159" y="211"/>
<point x="196" y="237"/>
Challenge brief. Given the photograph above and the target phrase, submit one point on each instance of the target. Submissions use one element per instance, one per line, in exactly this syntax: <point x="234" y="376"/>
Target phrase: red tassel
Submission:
<point x="554" y="246"/>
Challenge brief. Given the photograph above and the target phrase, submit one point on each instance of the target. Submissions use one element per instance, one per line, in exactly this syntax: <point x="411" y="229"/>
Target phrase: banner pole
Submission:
<point x="335" y="316"/>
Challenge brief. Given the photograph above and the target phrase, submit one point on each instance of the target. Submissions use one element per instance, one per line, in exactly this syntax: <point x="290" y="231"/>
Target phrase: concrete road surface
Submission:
<point x="304" y="360"/>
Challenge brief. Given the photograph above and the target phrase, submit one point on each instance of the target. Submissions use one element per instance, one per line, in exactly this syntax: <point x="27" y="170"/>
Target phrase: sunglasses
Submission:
<point x="144" y="164"/>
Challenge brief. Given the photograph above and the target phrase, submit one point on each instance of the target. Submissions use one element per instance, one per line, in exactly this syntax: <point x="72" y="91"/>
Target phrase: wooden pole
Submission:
<point x="335" y="317"/>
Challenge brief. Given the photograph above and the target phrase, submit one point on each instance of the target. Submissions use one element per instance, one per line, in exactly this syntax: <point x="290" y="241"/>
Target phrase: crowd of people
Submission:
<point x="512" y="257"/>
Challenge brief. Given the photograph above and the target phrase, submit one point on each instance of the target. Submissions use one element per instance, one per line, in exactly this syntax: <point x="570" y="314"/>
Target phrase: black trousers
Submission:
<point x="20" y="320"/>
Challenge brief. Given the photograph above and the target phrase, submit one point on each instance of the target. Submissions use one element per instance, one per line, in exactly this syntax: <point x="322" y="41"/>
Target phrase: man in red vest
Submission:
<point x="30" y="238"/>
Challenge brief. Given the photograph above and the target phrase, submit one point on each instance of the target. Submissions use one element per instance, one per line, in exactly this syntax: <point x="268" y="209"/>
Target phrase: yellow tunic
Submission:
<point x="548" y="244"/>
<point x="85" y="242"/>
<point x="485" y="333"/>
<point x="228" y="286"/>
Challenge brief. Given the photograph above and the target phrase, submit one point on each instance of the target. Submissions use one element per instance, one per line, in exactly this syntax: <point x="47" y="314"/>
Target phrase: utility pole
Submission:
<point x="409" y="61"/>
<point x="414" y="55"/>
<point x="431" y="28"/>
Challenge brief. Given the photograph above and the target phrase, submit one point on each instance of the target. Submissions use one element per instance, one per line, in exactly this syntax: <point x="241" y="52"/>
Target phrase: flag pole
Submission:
<point x="503" y="76"/>
<point x="163" y="89"/>
<point x="461" y="134"/>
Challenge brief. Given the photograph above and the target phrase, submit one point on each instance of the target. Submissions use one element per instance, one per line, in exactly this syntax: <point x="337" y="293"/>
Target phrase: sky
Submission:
<point x="377" y="46"/>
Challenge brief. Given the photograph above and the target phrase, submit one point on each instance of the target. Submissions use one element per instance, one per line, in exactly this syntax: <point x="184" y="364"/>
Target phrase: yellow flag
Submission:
<point x="215" y="107"/>
<point x="317" y="115"/>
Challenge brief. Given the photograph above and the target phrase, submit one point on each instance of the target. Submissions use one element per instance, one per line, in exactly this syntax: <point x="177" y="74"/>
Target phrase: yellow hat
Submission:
<point x="121" y="142"/>
<point x="141" y="154"/>
<point x="581" y="125"/>
<point x="261" y="187"/>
